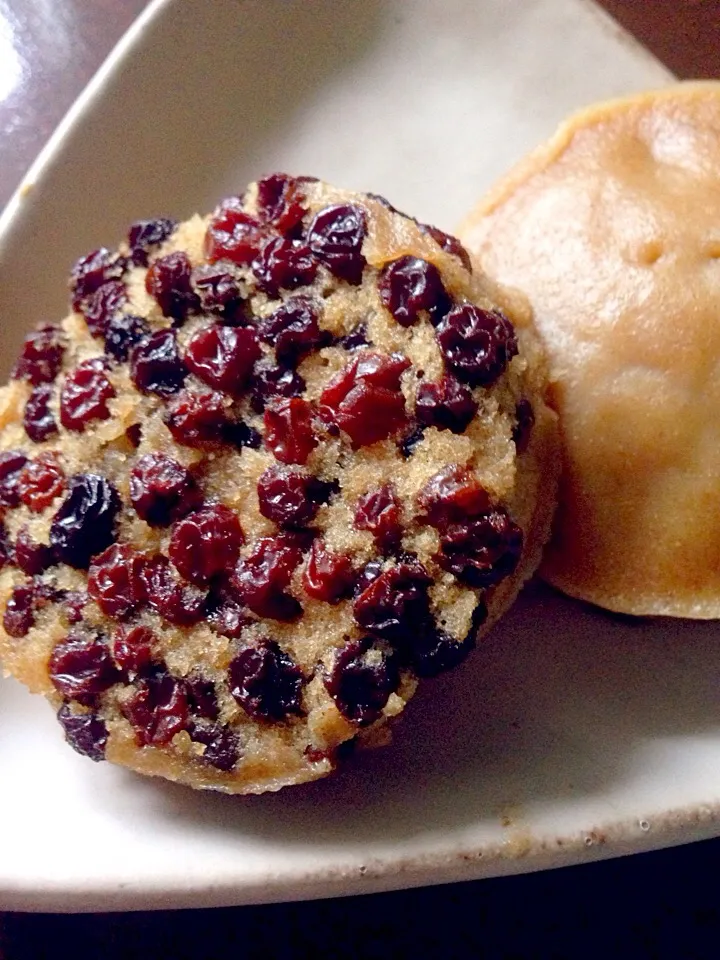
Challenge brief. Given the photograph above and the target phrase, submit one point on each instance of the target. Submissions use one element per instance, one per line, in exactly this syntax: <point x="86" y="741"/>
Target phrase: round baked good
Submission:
<point x="278" y="463"/>
<point x="612" y="230"/>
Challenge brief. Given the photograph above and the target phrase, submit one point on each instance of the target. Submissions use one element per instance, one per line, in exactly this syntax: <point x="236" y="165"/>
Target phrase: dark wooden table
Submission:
<point x="653" y="905"/>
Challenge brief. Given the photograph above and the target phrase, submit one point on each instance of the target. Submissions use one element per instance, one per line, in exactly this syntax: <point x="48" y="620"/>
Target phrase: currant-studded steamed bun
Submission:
<point x="277" y="464"/>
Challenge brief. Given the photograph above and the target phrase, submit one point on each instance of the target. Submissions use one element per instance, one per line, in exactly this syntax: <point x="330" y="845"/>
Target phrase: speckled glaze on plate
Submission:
<point x="570" y="735"/>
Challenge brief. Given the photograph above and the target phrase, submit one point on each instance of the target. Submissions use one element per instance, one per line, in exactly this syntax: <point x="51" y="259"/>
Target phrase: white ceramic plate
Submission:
<point x="570" y="735"/>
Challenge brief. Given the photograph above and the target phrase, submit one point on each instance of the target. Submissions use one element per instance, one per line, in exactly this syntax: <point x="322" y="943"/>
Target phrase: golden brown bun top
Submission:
<point x="612" y="230"/>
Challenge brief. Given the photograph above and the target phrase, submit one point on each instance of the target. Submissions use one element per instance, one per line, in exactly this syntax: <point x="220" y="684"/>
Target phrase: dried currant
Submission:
<point x="361" y="679"/>
<point x="12" y="463"/>
<point x="240" y="434"/>
<point x="222" y="745"/>
<point x="434" y="651"/>
<point x="328" y="576"/>
<point x="19" y="614"/>
<point x="260" y="580"/>
<point x="84" y="396"/>
<point x="226" y="616"/>
<point x="365" y="397"/>
<point x="168" y="281"/>
<point x="449" y="244"/>
<point x="376" y="369"/>
<point x="268" y="382"/>
<point x="477" y="344"/>
<point x="132" y="649"/>
<point x="451" y="496"/>
<point x="162" y="490"/>
<point x="293" y="329"/>
<point x="266" y="681"/>
<point x="524" y="423"/>
<point x="81" y="667"/>
<point x="85" y="732"/>
<point x="145" y="235"/>
<point x="202" y="698"/>
<point x="369" y="573"/>
<point x="447" y="405"/>
<point x="206" y="543"/>
<point x="198" y="419"/>
<point x="122" y="333"/>
<point x="7" y="553"/>
<point x="395" y="603"/>
<point x="288" y="497"/>
<point x="85" y="523"/>
<point x="379" y="512"/>
<point x="336" y="236"/>
<point x="40" y="481"/>
<point x="219" y="292"/>
<point x="412" y="438"/>
<point x="115" y="580"/>
<point x="90" y="272"/>
<point x="284" y="264"/>
<point x="177" y="602"/>
<point x="38" y="418"/>
<point x="233" y="234"/>
<point x="157" y="708"/>
<point x="410" y="285"/>
<point x="41" y="356"/>
<point x="222" y="356"/>
<point x="156" y="365"/>
<point x="73" y="602"/>
<point x="280" y="201"/>
<point x="289" y="432"/>
<point x="358" y="337"/>
<point x="483" y="551"/>
<point x="104" y="305"/>
<point x="32" y="557"/>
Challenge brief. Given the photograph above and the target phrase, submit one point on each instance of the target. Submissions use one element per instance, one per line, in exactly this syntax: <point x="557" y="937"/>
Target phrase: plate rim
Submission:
<point x="519" y="855"/>
<point x="19" y="198"/>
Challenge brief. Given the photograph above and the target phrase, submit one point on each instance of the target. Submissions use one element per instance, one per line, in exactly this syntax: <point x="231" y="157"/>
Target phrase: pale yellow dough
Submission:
<point x="612" y="230"/>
